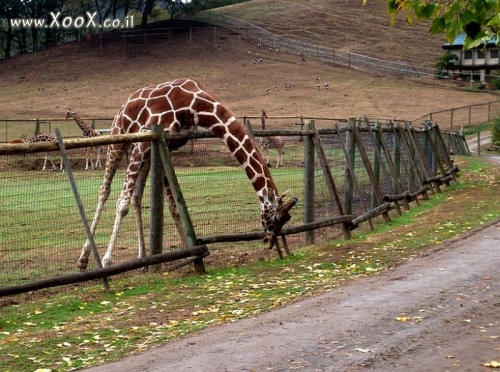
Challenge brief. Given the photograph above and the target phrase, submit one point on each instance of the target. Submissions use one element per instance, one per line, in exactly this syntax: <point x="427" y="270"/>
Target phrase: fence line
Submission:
<point x="455" y="118"/>
<point x="350" y="176"/>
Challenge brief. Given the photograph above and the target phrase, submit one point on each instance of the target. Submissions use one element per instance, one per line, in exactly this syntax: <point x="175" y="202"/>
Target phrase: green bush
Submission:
<point x="495" y="132"/>
<point x="496" y="83"/>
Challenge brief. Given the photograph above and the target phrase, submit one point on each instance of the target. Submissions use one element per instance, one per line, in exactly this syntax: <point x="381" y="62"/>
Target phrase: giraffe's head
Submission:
<point x="70" y="114"/>
<point x="274" y="214"/>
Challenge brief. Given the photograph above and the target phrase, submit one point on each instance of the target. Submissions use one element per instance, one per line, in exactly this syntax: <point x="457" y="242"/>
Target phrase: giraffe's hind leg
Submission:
<point x="172" y="207"/>
<point x="280" y="159"/>
<point x="88" y="158"/>
<point x="137" y="200"/>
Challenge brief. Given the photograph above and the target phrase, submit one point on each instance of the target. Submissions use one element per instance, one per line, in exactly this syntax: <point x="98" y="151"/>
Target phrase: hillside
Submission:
<point x="344" y="25"/>
<point x="95" y="78"/>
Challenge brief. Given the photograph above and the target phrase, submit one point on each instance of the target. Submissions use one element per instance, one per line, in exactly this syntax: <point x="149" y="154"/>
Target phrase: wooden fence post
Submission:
<point x="377" y="147"/>
<point x="157" y="199"/>
<point x="438" y="152"/>
<point x="412" y="167"/>
<point x="369" y="171"/>
<point x="376" y="169"/>
<point x="420" y="156"/>
<point x="309" y="181"/>
<point x="187" y="224"/>
<point x="90" y="236"/>
<point x="350" y="180"/>
<point x="330" y="183"/>
<point x="349" y="175"/>
<point x="391" y="174"/>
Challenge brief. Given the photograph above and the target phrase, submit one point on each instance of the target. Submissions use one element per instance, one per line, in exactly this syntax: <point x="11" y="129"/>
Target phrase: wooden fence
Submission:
<point x="352" y="174"/>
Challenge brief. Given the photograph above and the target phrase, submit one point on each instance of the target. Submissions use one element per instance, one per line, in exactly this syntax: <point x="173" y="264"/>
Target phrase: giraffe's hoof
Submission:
<point x="106" y="261"/>
<point x="82" y="263"/>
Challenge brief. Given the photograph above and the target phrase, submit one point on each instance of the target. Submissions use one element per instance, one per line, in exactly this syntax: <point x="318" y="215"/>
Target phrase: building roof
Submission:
<point x="459" y="42"/>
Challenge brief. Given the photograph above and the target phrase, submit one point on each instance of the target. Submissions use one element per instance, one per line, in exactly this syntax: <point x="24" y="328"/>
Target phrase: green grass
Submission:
<point x="474" y="129"/>
<point x="42" y="232"/>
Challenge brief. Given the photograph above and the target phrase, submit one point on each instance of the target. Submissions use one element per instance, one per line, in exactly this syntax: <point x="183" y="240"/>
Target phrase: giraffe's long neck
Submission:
<point x="87" y="130"/>
<point x="243" y="147"/>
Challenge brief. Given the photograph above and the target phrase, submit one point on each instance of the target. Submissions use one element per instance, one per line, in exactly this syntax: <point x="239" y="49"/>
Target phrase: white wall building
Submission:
<point x="481" y="60"/>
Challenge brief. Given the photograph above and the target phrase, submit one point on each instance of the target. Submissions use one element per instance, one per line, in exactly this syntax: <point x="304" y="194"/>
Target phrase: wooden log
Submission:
<point x="397" y="197"/>
<point x="452" y="170"/>
<point x="422" y="191"/>
<point x="199" y="250"/>
<point x="70" y="144"/>
<point x="77" y="143"/>
<point x="188" y="261"/>
<point x="439" y="179"/>
<point x="286" y="231"/>
<point x="381" y="209"/>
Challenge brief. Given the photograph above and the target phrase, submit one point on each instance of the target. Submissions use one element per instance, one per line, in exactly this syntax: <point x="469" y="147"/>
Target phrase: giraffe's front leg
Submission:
<point x="83" y="260"/>
<point x="137" y="200"/>
<point x="122" y="208"/>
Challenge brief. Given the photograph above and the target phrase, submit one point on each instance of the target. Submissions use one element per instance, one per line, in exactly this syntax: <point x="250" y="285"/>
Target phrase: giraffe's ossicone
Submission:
<point x="178" y="105"/>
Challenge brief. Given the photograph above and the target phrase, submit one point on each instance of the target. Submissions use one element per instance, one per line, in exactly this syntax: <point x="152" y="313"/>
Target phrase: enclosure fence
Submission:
<point x="454" y="118"/>
<point x="352" y="173"/>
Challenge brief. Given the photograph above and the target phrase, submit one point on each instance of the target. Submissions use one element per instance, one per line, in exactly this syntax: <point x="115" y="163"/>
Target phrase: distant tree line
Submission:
<point x="28" y="25"/>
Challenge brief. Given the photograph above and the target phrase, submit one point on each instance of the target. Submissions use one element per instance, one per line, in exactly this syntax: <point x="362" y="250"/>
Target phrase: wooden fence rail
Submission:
<point x="366" y="169"/>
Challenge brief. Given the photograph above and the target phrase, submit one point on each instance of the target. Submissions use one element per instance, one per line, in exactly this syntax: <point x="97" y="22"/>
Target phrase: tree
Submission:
<point x="478" y="19"/>
<point x="445" y="62"/>
<point x="495" y="133"/>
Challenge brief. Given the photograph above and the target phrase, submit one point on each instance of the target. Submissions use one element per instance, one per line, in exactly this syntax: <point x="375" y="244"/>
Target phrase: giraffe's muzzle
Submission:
<point x="280" y="219"/>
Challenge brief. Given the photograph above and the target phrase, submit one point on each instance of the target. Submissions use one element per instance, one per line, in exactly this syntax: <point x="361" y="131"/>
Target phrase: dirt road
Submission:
<point x="439" y="312"/>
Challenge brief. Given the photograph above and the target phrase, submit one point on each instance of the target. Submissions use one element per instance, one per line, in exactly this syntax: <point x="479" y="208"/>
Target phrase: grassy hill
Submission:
<point x="95" y="78"/>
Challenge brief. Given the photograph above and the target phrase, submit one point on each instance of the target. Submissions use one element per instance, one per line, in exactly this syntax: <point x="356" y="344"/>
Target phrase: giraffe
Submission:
<point x="179" y="105"/>
<point x="271" y="142"/>
<point x="43" y="137"/>
<point x="88" y="132"/>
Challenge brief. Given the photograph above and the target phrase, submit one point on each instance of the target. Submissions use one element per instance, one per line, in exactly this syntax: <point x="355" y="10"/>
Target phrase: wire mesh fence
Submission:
<point x="41" y="229"/>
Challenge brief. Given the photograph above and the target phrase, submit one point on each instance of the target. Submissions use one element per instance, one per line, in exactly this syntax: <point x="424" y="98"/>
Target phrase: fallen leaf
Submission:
<point x="362" y="350"/>
<point x="492" y="364"/>
<point x="403" y="318"/>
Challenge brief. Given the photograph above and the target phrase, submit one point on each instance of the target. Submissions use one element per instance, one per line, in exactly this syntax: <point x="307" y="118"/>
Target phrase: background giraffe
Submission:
<point x="88" y="132"/>
<point x="271" y="143"/>
<point x="178" y="105"/>
<point x="43" y="137"/>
